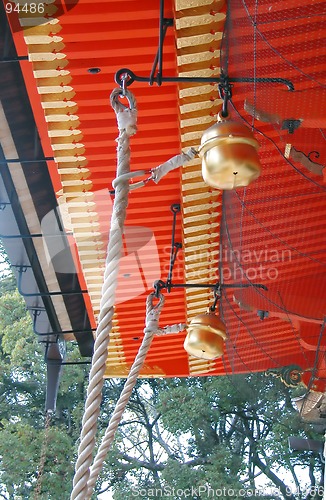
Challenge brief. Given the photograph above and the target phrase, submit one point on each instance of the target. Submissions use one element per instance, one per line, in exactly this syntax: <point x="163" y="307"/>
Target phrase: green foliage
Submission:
<point x="4" y="261"/>
<point x="22" y="420"/>
<point x="7" y="279"/>
<point x="20" y="445"/>
<point x="7" y="284"/>
<point x="175" y="435"/>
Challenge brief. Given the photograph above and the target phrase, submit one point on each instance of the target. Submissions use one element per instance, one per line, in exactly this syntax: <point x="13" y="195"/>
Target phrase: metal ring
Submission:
<point x="129" y="79"/>
<point x="124" y="79"/>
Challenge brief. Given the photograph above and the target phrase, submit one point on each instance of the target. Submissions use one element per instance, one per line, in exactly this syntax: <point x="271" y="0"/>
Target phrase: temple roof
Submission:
<point x="58" y="153"/>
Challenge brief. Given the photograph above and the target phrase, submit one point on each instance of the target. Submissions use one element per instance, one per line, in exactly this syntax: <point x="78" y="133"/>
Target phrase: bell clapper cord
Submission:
<point x="167" y="285"/>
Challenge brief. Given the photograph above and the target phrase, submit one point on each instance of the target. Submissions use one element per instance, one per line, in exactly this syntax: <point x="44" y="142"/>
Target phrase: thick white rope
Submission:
<point x="151" y="328"/>
<point x="127" y="126"/>
<point x="85" y="478"/>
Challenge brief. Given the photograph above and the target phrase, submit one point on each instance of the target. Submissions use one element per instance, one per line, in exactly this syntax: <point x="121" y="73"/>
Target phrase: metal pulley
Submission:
<point x="206" y="336"/>
<point x="229" y="155"/>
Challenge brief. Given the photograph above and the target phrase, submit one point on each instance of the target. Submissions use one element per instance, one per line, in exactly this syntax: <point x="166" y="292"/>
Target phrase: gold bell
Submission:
<point x="205" y="338"/>
<point x="229" y="155"/>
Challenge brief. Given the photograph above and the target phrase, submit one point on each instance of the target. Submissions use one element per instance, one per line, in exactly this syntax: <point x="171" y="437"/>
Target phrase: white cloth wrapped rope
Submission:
<point x="172" y="164"/>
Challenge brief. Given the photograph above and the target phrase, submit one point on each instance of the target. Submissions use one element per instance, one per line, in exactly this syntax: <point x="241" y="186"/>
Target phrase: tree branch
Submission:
<point x="156" y="419"/>
<point x="273" y="477"/>
<point x="311" y="471"/>
<point x="140" y="463"/>
<point x="297" y="484"/>
<point x="233" y="426"/>
<point x="129" y="422"/>
<point x="158" y="438"/>
<point x="159" y="467"/>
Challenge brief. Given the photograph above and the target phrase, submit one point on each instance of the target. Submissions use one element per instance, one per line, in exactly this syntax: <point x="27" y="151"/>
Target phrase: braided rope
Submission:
<point x="85" y="474"/>
<point x="152" y="313"/>
<point x="151" y="328"/>
<point x="127" y="126"/>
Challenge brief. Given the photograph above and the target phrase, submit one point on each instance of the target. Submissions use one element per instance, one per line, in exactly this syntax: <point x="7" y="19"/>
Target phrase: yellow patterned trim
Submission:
<point x="199" y="26"/>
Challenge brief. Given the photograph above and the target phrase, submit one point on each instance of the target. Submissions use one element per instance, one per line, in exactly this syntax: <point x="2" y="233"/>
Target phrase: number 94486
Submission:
<point x="28" y="8"/>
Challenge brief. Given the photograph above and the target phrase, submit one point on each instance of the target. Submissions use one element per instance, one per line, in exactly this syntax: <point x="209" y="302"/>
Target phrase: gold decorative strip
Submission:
<point x="200" y="366"/>
<point x="199" y="25"/>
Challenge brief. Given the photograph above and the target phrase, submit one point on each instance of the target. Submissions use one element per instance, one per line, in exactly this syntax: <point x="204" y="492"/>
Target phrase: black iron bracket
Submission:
<point x="28" y="236"/>
<point x="130" y="77"/>
<point x="14" y="59"/>
<point x="225" y="92"/>
<point x="65" y="363"/>
<point x="315" y="155"/>
<point x="157" y="69"/>
<point x="61" y="354"/>
<point x="125" y="77"/>
<point x="291" y="125"/>
<point x="18" y="160"/>
<point x="217" y="287"/>
<point x="160" y="285"/>
<point x="36" y="311"/>
<point x="4" y="204"/>
<point x="175" y="246"/>
<point x="21" y="269"/>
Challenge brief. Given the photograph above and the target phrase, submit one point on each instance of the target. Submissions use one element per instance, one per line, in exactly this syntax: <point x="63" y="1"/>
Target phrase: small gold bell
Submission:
<point x="205" y="338"/>
<point x="229" y="155"/>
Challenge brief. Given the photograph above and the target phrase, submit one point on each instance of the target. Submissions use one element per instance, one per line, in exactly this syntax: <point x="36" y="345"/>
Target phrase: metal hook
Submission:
<point x="217" y="296"/>
<point x="225" y="92"/>
<point x="123" y="83"/>
<point x="124" y="74"/>
<point x="158" y="285"/>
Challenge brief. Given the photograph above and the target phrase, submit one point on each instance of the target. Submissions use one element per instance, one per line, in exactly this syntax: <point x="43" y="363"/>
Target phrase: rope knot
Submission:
<point x="153" y="313"/>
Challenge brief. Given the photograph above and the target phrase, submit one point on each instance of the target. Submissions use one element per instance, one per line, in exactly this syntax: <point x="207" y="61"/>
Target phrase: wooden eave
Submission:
<point x="276" y="223"/>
